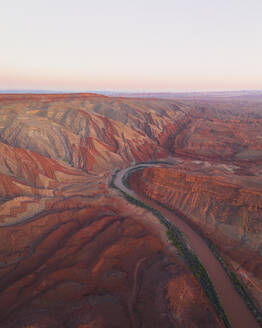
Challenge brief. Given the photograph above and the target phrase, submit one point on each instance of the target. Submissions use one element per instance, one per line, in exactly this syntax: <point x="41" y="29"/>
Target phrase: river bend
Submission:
<point x="236" y="309"/>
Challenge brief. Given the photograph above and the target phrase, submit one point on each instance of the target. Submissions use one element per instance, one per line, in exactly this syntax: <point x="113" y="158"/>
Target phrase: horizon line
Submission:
<point x="55" y="91"/>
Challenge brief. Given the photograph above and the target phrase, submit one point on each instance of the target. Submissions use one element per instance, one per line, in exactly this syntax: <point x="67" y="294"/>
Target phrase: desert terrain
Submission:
<point x="75" y="253"/>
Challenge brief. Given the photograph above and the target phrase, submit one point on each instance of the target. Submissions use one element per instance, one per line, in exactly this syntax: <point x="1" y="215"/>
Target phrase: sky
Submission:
<point x="131" y="45"/>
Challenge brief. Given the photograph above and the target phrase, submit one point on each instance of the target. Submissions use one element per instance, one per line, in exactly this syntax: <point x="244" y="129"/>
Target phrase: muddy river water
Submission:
<point x="236" y="309"/>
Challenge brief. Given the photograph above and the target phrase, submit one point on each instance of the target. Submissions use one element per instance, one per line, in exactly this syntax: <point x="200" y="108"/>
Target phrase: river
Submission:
<point x="236" y="309"/>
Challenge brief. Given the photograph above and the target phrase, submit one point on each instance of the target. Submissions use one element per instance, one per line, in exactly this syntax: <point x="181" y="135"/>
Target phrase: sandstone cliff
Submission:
<point x="220" y="206"/>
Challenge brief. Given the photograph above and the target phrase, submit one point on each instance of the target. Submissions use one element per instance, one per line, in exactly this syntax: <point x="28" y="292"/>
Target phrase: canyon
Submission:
<point x="75" y="253"/>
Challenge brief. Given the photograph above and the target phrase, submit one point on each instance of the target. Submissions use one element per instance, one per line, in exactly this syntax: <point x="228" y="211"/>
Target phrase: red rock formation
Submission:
<point x="226" y="212"/>
<point x="73" y="252"/>
<point x="87" y="132"/>
<point x="81" y="259"/>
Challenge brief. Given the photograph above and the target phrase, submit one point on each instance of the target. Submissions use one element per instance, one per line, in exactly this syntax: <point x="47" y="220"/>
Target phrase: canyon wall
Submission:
<point x="220" y="206"/>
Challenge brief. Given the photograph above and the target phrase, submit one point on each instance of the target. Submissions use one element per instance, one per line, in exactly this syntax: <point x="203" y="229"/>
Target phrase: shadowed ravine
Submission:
<point x="234" y="306"/>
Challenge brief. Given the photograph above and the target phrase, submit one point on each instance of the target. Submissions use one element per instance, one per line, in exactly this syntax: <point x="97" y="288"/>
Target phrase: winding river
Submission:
<point x="236" y="309"/>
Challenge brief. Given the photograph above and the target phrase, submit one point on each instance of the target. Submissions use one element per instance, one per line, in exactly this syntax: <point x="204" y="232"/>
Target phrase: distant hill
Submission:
<point x="187" y="95"/>
<point x="163" y="95"/>
<point x="33" y="91"/>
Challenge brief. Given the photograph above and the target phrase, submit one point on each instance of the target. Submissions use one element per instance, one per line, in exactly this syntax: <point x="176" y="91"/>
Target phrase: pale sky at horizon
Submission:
<point x="167" y="45"/>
